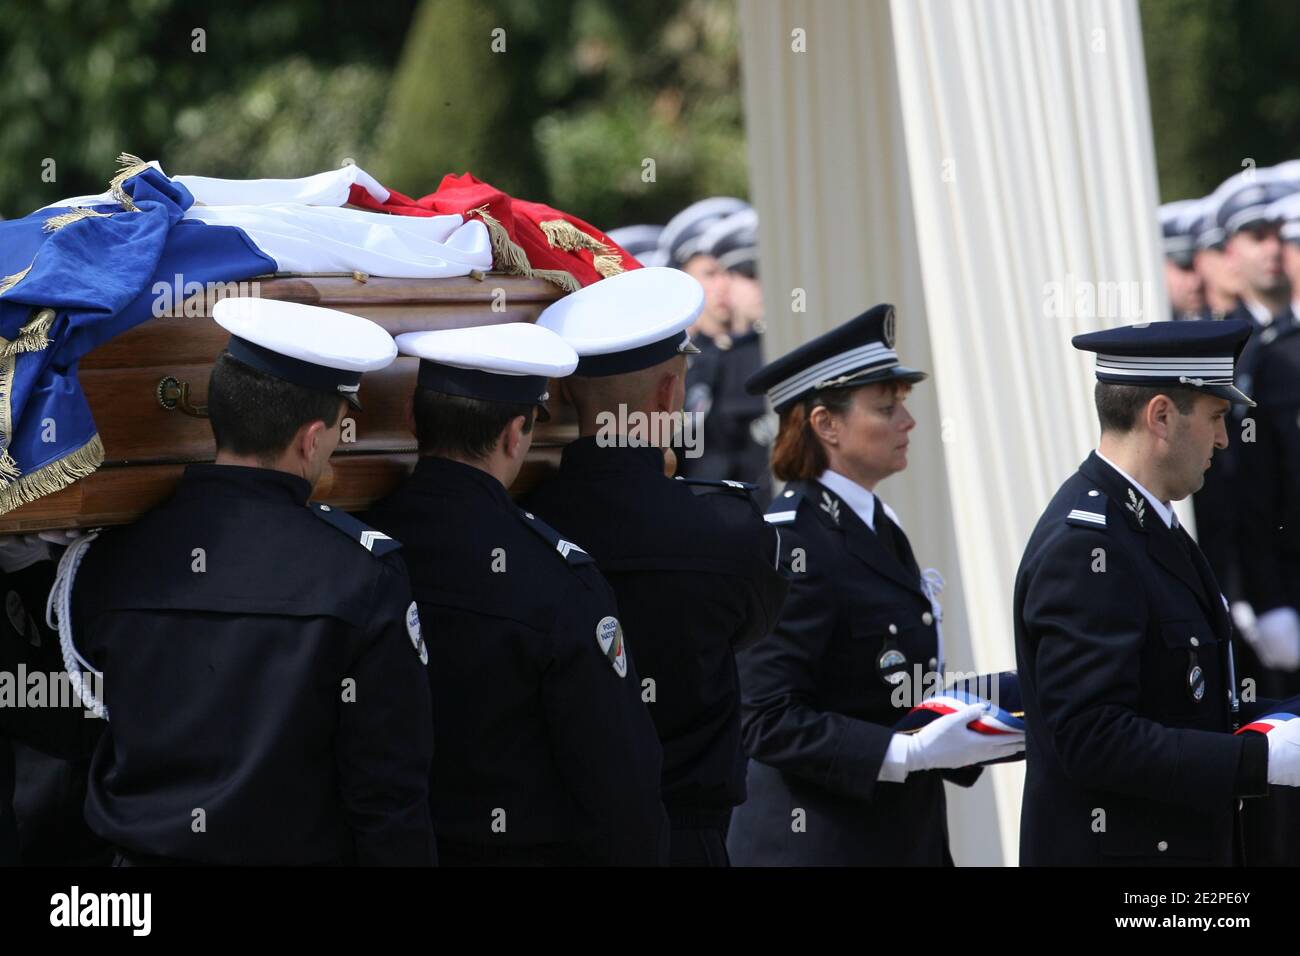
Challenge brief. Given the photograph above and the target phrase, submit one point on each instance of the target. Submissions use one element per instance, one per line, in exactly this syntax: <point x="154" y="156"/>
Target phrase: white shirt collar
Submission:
<point x="1165" y="512"/>
<point x="861" y="500"/>
<point x="1259" y="310"/>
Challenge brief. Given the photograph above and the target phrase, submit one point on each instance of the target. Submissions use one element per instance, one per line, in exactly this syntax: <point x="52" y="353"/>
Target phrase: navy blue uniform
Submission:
<point x="262" y="664"/>
<point x="694" y="570"/>
<point x="547" y="753"/>
<point x="818" y="713"/>
<point x="734" y="447"/>
<point x="1122" y="644"/>
<point x="28" y="647"/>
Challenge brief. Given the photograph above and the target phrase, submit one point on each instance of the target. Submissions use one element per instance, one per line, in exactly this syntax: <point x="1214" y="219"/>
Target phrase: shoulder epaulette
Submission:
<point x="376" y="542"/>
<point x="571" y="552"/>
<point x="1089" y="510"/>
<point x="784" y="507"/>
<point x="709" y="486"/>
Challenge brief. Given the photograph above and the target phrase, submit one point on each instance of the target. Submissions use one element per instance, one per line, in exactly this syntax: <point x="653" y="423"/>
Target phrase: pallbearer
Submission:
<point x="830" y="781"/>
<point x="263" y="671"/>
<point x="692" y="563"/>
<point x="546" y="751"/>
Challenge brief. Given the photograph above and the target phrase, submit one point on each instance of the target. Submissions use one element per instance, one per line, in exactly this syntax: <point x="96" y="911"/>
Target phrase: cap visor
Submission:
<point x="1232" y="393"/>
<point x="353" y="399"/>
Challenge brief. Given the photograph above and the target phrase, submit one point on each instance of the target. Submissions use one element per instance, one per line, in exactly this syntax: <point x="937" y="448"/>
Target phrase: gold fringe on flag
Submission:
<point x="76" y="214"/>
<point x="509" y="256"/>
<point x="32" y="337"/>
<point x="608" y="265"/>
<point x="8" y="282"/>
<point x="52" y="477"/>
<point x="562" y="234"/>
<point x="130" y="165"/>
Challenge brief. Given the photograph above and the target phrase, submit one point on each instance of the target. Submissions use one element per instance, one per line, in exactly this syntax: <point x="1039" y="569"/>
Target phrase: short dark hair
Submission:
<point x="1118" y="405"/>
<point x="255" y="414"/>
<point x="460" y="427"/>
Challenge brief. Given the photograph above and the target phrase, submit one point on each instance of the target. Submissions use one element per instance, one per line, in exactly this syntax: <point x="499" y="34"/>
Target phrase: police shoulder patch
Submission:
<point x="609" y="636"/>
<point x="376" y="542"/>
<point x="413" y="632"/>
<point x="1089" y="510"/>
<point x="571" y="552"/>
<point x="784" y="507"/>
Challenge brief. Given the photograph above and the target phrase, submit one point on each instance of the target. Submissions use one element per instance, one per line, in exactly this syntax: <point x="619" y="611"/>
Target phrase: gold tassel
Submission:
<point x="509" y="256"/>
<point x="563" y="234"/>
<point x="53" y="477"/>
<point x="32" y="337"/>
<point x="130" y="165"/>
<point x="565" y="280"/>
<point x="8" y="467"/>
<point x="76" y="214"/>
<point x="8" y="282"/>
<point x="608" y="265"/>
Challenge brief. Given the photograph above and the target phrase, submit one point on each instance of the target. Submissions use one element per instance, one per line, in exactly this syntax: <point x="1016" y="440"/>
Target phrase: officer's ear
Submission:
<point x="1159" y="416"/>
<point x="514" y="438"/>
<point x="824" y="424"/>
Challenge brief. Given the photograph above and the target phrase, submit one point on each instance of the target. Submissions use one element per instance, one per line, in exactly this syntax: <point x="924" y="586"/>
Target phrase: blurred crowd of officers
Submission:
<point x="1236" y="254"/>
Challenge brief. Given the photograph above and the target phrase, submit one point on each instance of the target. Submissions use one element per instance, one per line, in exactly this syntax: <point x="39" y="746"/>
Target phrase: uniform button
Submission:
<point x="893" y="629"/>
<point x="927" y="618"/>
<point x="1195" y="643"/>
<point x="1094" y="493"/>
<point x="1241" y="804"/>
<point x="1162" y="846"/>
<point x="324" y="507"/>
<point x="788" y="494"/>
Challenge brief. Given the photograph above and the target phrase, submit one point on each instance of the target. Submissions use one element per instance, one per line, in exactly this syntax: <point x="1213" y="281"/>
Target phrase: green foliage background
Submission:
<point x="584" y="92"/>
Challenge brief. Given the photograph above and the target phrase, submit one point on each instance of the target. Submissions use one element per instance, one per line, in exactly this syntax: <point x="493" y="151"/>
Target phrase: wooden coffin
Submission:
<point x="146" y="389"/>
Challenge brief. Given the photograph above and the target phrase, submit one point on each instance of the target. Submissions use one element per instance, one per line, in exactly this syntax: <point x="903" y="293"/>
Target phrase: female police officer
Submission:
<point x="829" y="781"/>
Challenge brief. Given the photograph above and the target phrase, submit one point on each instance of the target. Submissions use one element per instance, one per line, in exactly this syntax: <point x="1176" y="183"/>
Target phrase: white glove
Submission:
<point x="948" y="743"/>
<point x="1284" y="754"/>
<point x="18" y="551"/>
<point x="1277" y="639"/>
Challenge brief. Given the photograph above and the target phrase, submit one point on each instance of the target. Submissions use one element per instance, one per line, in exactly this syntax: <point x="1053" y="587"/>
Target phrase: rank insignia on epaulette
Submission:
<point x="1090" y="511"/>
<point x="376" y="542"/>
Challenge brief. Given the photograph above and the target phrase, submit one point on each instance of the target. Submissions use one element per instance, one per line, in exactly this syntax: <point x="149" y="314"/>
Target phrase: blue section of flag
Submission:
<point x="98" y="274"/>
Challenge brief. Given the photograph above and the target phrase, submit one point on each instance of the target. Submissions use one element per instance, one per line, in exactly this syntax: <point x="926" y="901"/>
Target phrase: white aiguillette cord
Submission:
<point x="58" y="616"/>
<point x="932" y="584"/>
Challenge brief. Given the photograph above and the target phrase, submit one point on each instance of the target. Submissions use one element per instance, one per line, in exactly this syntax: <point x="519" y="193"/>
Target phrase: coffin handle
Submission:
<point x="174" y="394"/>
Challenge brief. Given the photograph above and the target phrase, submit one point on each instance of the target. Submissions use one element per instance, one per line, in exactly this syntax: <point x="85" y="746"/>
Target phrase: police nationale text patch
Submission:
<point x="413" y="629"/>
<point x="609" y="635"/>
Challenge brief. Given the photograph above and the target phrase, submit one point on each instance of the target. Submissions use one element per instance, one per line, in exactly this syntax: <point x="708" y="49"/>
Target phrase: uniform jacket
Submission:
<point x="818" y="714"/>
<point x="1123" y="645"/>
<point x="262" y="670"/>
<point x="546" y="752"/>
<point x="694" y="571"/>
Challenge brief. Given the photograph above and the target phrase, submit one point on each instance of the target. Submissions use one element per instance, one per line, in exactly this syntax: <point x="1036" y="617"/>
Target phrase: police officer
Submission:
<point x="1269" y="480"/>
<point x="54" y="725"/>
<point x="692" y="563"/>
<point x="1123" y="640"/>
<point x="258" y="657"/>
<point x="1186" y="287"/>
<point x="737" y="432"/>
<point x="830" y="781"/>
<point x="547" y="754"/>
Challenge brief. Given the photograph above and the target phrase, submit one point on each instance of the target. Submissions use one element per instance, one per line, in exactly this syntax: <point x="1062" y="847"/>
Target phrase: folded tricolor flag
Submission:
<point x="1279" y="712"/>
<point x="1000" y="691"/>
